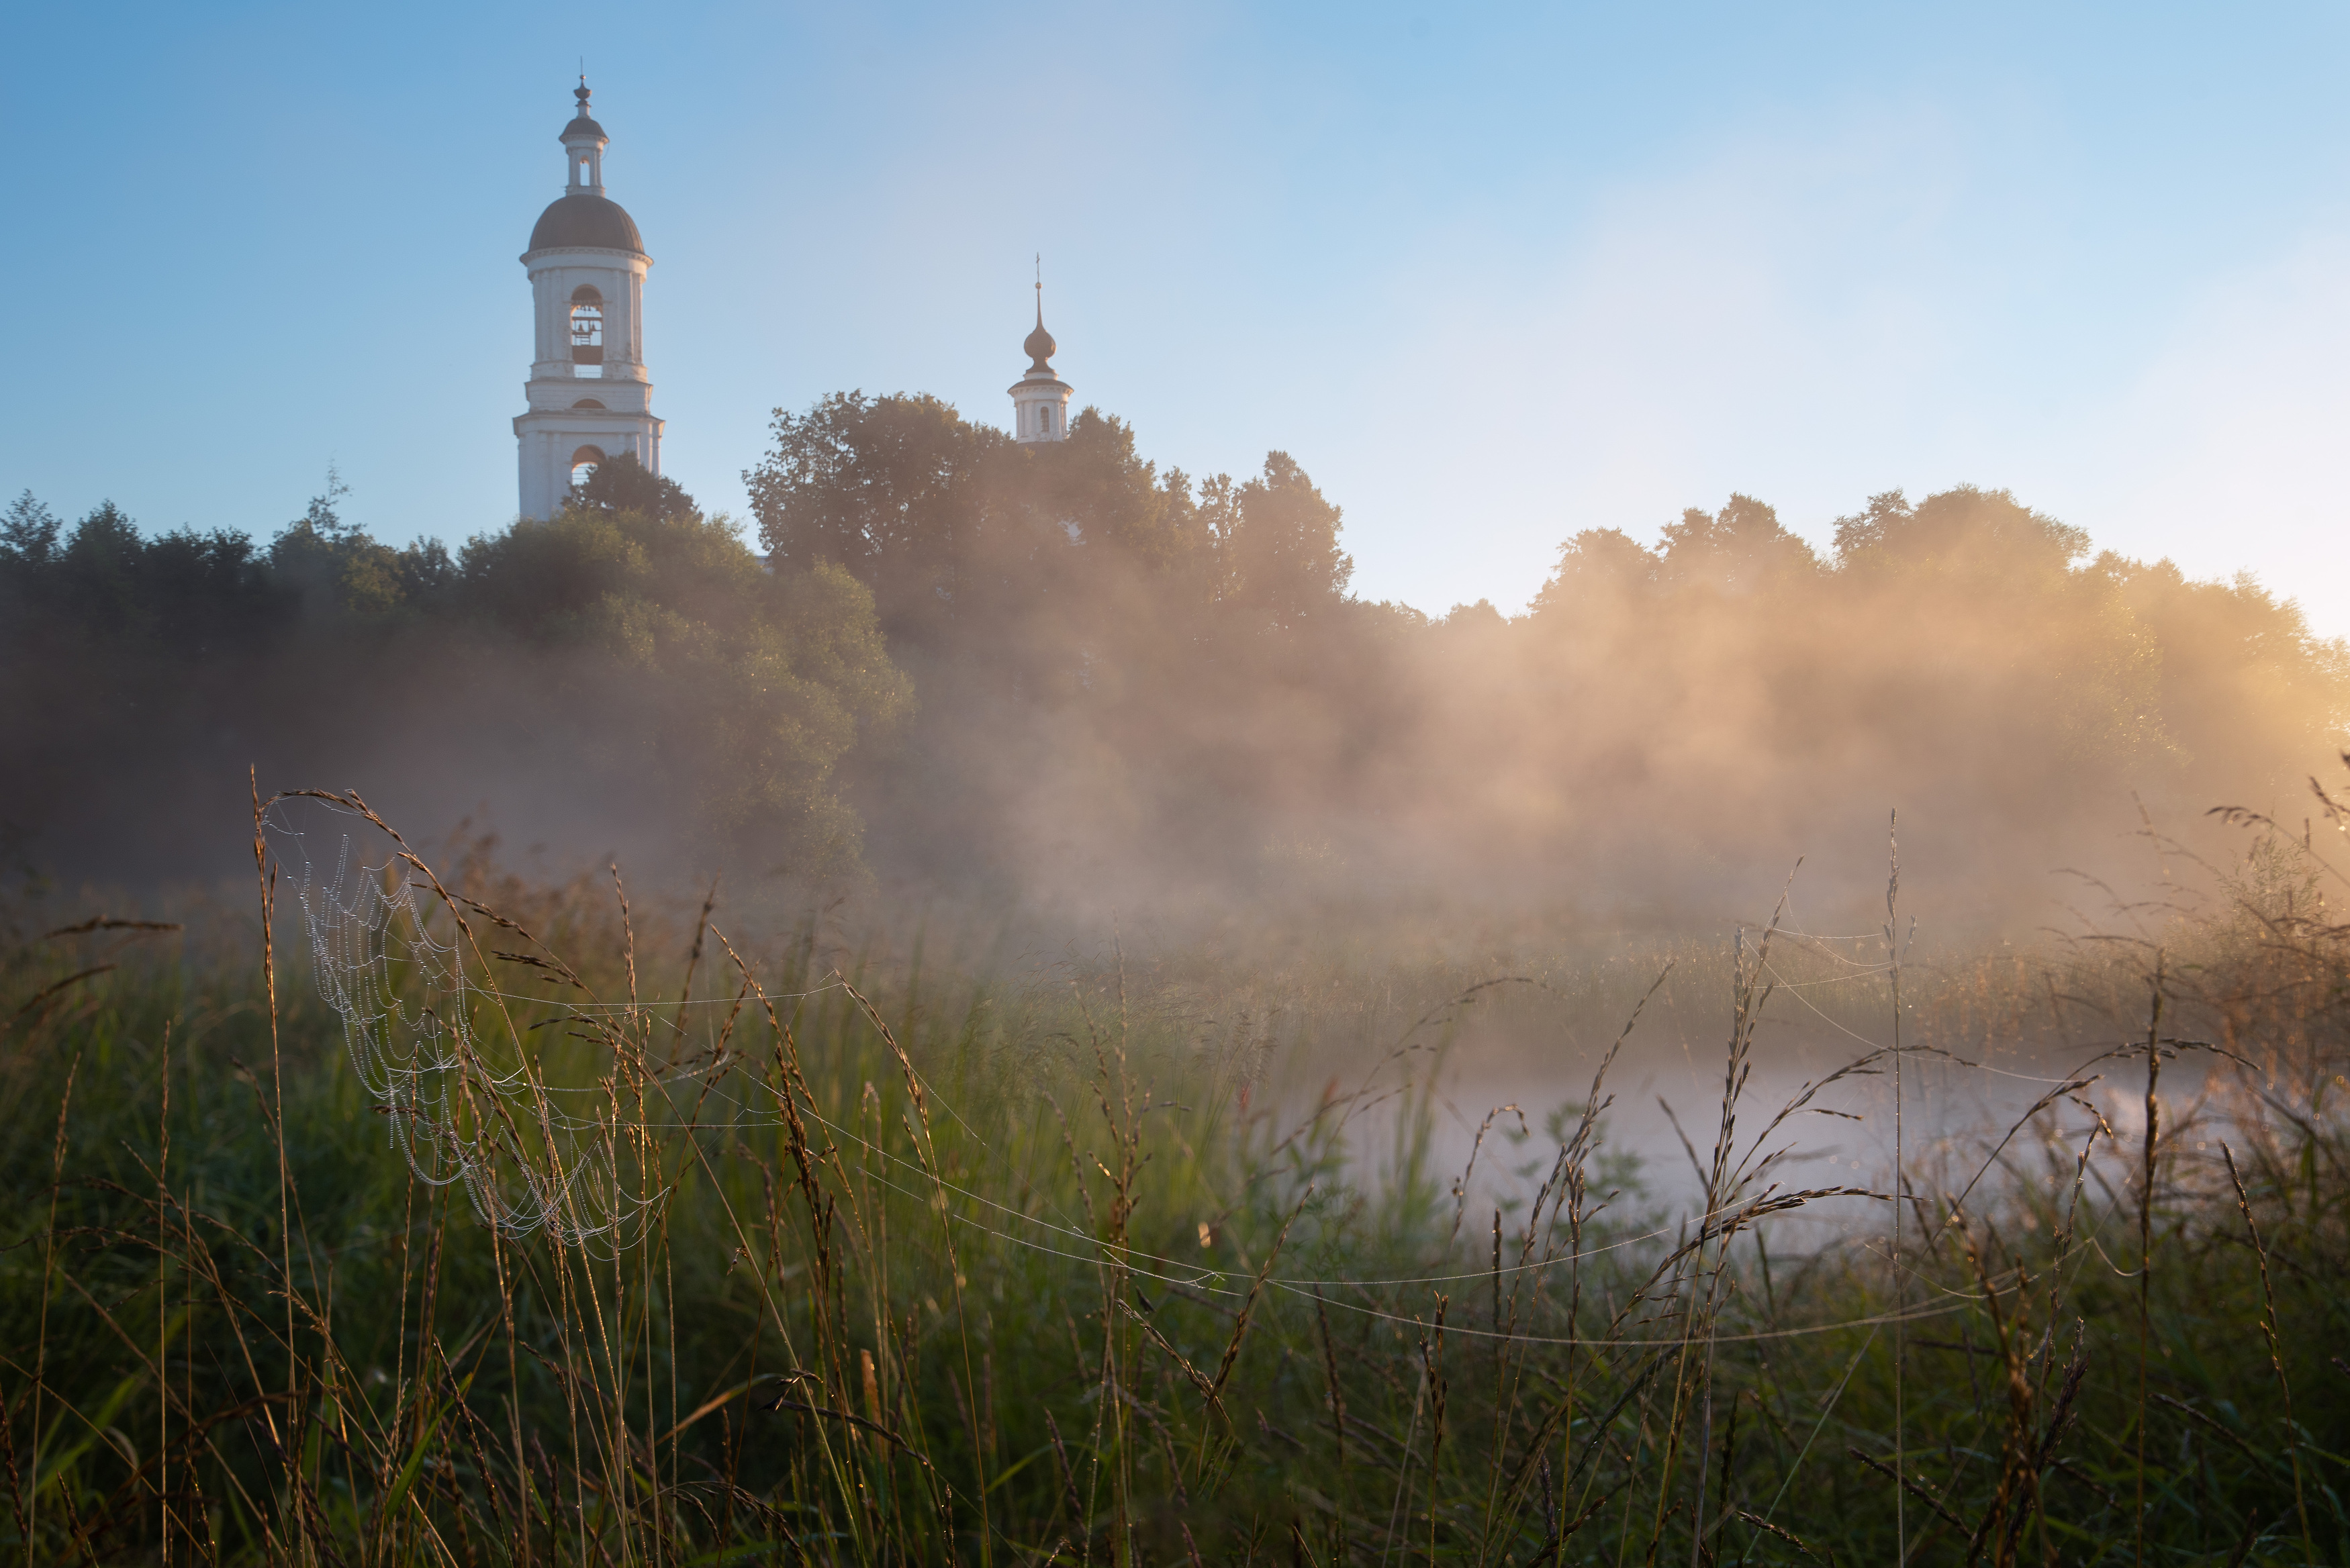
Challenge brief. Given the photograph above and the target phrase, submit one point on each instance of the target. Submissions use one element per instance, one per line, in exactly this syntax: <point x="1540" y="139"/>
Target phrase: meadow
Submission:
<point x="414" y="1212"/>
<point x="1184" y="1062"/>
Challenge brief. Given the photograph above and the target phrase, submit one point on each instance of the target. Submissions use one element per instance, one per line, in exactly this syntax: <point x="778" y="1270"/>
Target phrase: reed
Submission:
<point x="687" y="1242"/>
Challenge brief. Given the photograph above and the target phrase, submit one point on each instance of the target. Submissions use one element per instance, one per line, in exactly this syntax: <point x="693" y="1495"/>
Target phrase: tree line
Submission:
<point x="630" y="661"/>
<point x="1058" y="665"/>
<point x="1122" y="669"/>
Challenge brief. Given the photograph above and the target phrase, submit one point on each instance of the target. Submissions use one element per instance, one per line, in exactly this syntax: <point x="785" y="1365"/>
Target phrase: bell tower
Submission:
<point x="589" y="398"/>
<point x="1040" y="400"/>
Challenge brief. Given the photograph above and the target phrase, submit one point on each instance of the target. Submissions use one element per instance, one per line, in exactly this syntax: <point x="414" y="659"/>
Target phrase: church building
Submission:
<point x="588" y="394"/>
<point x="589" y="397"/>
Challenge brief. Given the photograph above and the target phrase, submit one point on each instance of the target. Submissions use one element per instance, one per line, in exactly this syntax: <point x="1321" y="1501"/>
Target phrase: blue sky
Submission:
<point x="1492" y="275"/>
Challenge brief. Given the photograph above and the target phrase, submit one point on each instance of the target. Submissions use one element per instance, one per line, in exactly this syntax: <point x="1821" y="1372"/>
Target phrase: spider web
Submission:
<point x="441" y="1058"/>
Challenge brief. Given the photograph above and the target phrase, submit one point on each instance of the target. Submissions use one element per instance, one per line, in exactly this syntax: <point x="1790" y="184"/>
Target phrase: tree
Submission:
<point x="1598" y="563"/>
<point x="890" y="488"/>
<point x="338" y="568"/>
<point x="99" y="566"/>
<point x="206" y="593"/>
<point x="1277" y="540"/>
<point x="623" y="484"/>
<point x="1741" y="550"/>
<point x="29" y="532"/>
<point x="2248" y="691"/>
<point x="1478" y="621"/>
<point x="1099" y="486"/>
<point x="1965" y="532"/>
<point x="710" y="679"/>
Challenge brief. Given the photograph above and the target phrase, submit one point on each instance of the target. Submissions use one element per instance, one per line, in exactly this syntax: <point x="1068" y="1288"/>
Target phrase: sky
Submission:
<point x="1491" y="274"/>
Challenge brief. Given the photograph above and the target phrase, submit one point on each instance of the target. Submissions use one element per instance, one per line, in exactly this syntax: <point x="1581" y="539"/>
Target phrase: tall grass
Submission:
<point x="800" y="1257"/>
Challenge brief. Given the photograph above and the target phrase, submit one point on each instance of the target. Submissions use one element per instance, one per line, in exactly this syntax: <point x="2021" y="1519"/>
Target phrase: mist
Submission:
<point x="936" y="665"/>
<point x="992" y="807"/>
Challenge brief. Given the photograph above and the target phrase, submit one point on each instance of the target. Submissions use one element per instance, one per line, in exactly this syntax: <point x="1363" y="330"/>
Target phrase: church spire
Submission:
<point x="1039" y="345"/>
<point x="1040" y="400"/>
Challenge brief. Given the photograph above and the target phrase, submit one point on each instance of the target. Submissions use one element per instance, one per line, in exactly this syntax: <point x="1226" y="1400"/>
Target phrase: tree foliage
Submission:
<point x="629" y="651"/>
<point x="1129" y="677"/>
<point x="1185" y="680"/>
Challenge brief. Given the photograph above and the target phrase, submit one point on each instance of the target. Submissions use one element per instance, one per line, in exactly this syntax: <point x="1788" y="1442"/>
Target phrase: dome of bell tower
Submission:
<point x="597" y="223"/>
<point x="583" y="217"/>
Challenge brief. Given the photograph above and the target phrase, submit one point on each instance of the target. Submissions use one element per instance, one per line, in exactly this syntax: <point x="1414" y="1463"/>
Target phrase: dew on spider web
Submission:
<point x="436" y="1050"/>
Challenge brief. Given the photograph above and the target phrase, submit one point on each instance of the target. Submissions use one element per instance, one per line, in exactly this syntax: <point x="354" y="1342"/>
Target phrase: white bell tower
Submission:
<point x="1040" y="400"/>
<point x="588" y="395"/>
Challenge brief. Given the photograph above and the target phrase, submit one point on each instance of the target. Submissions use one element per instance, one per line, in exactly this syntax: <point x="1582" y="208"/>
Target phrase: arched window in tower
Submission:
<point x="587" y="331"/>
<point x="583" y="463"/>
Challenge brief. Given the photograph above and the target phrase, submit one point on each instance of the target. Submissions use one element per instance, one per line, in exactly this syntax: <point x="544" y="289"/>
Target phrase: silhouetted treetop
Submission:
<point x="1741" y="549"/>
<point x="29" y="532"/>
<point x="1101" y="487"/>
<point x="1964" y="532"/>
<point x="1276" y="536"/>
<point x="1596" y="563"/>
<point x="623" y="484"/>
<point x="964" y="533"/>
<point x="877" y="484"/>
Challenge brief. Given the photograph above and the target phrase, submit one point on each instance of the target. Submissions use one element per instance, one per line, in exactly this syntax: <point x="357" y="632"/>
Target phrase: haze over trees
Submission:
<point x="628" y="660"/>
<point x="789" y="1257"/>
<point x="1164" y="682"/>
<point x="1060" y="669"/>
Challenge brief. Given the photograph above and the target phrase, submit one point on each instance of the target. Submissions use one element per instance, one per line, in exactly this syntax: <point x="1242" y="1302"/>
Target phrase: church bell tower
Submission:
<point x="589" y="398"/>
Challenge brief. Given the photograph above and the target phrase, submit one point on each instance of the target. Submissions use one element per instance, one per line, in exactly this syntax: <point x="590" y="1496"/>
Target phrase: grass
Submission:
<point x="805" y="1257"/>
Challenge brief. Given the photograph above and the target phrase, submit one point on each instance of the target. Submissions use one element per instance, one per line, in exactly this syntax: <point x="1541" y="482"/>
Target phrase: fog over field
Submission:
<point x="936" y="664"/>
<point x="1422" y="922"/>
<point x="1019" y="705"/>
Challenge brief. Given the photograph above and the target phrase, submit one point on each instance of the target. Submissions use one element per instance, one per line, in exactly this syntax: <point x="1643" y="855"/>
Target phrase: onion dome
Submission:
<point x="581" y="124"/>
<point x="1039" y="345"/>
